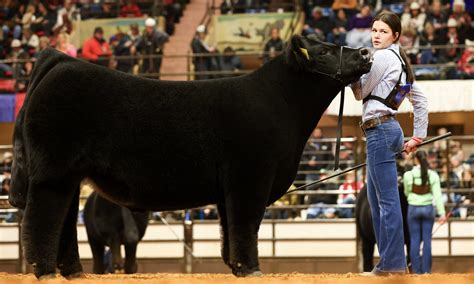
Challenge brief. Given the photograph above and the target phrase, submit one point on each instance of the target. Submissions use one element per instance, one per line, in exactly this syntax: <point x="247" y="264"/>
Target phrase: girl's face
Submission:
<point x="382" y="35"/>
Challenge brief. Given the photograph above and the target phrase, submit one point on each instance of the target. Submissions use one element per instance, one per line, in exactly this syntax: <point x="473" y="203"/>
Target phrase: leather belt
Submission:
<point x="371" y="123"/>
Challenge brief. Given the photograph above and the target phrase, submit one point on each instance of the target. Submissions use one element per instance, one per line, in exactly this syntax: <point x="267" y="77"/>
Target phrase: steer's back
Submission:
<point x="143" y="134"/>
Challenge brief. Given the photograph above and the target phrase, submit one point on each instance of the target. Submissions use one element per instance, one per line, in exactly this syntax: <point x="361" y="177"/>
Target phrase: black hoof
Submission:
<point x="70" y="271"/>
<point x="241" y="271"/>
<point x="46" y="276"/>
<point x="74" y="275"/>
<point x="257" y="273"/>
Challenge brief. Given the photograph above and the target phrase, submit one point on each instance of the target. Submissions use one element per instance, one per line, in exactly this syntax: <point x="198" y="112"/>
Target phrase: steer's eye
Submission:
<point x="323" y="52"/>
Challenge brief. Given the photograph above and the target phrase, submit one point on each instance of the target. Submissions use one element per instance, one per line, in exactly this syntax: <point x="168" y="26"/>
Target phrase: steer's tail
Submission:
<point x="20" y="175"/>
<point x="19" y="182"/>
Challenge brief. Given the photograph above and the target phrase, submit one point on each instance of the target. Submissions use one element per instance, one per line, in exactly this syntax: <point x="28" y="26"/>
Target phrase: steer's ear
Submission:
<point x="299" y="47"/>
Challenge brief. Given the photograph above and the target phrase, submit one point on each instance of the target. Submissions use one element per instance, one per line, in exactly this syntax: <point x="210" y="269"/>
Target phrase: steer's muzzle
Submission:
<point x="366" y="54"/>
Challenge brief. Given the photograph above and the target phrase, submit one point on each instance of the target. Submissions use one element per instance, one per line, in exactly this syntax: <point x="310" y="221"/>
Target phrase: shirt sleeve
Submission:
<point x="420" y="111"/>
<point x="380" y="73"/>
<point x="436" y="191"/>
<point x="407" y="182"/>
<point x="357" y="90"/>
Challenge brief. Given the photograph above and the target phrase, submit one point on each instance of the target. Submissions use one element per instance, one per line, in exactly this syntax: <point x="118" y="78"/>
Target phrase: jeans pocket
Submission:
<point x="393" y="136"/>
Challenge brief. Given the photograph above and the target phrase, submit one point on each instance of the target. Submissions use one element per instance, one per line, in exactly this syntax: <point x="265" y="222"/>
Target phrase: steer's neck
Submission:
<point x="307" y="95"/>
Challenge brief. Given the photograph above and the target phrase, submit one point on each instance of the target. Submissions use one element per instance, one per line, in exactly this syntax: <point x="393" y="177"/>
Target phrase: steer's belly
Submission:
<point x="157" y="196"/>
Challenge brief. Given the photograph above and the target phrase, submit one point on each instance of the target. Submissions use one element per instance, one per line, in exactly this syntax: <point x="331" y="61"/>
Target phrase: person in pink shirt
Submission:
<point x="63" y="45"/>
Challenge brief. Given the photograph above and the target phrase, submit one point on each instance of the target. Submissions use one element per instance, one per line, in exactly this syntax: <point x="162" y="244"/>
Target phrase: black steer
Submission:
<point x="165" y="145"/>
<point x="365" y="227"/>
<point x="111" y="225"/>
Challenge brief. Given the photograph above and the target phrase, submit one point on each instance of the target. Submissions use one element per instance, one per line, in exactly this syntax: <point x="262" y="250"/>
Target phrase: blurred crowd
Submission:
<point x="433" y="32"/>
<point x="28" y="27"/>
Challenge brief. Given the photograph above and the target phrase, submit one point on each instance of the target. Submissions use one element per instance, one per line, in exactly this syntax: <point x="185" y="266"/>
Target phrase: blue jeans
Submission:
<point x="420" y="224"/>
<point x="383" y="144"/>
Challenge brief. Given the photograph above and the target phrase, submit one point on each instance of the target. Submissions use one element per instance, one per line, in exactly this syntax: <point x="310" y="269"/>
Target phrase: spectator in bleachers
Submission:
<point x="5" y="179"/>
<point x="44" y="21"/>
<point x="230" y="61"/>
<point x="463" y="20"/>
<point x="134" y="33"/>
<point x="346" y="155"/>
<point x="437" y="18"/>
<point x="172" y="13"/>
<point x="410" y="42"/>
<point x="28" y="16"/>
<point x="64" y="45"/>
<point x="134" y="36"/>
<point x="65" y="17"/>
<point x="340" y="27"/>
<point x="316" y="200"/>
<point x="12" y="20"/>
<point x="121" y="45"/>
<point x="414" y="18"/>
<point x="429" y="38"/>
<point x="349" y="184"/>
<point x="274" y="45"/>
<point x="199" y="46"/>
<point x="130" y="10"/>
<point x="20" y="64"/>
<point x="452" y="53"/>
<point x="349" y="7"/>
<point x="30" y="41"/>
<point x="96" y="49"/>
<point x="227" y="7"/>
<point x="359" y="33"/>
<point x="466" y="63"/>
<point x="151" y="47"/>
<point x="449" y="178"/>
<point x="44" y="43"/>
<point x="107" y="10"/>
<point x="318" y="155"/>
<point x="319" y="25"/>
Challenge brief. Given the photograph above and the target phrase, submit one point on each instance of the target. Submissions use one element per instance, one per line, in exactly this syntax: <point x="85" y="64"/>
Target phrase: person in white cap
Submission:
<point x="414" y="18"/>
<point x="463" y="19"/>
<point x="151" y="45"/>
<point x="452" y="54"/>
<point x="199" y="46"/>
<point x="437" y="17"/>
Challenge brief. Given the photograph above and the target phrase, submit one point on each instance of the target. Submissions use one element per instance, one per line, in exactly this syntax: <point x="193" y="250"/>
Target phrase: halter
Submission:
<point x="338" y="75"/>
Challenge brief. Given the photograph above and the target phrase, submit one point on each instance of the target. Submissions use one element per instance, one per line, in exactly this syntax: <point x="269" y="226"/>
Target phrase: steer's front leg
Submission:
<point x="246" y="196"/>
<point x="68" y="254"/>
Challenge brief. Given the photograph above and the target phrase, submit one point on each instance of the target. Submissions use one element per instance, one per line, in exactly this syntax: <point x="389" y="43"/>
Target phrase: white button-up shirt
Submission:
<point x="380" y="81"/>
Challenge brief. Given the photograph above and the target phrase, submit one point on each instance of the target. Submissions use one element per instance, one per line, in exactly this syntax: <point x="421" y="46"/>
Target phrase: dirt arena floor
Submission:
<point x="169" y="278"/>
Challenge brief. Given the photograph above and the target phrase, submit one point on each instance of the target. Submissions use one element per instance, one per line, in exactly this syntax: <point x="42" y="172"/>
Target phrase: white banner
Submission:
<point x="443" y="96"/>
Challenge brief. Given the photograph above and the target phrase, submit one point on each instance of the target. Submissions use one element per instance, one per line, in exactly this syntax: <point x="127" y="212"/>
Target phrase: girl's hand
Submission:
<point x="412" y="144"/>
<point x="442" y="219"/>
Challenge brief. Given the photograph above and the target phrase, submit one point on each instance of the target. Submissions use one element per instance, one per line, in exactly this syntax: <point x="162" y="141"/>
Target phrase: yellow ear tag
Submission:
<point x="305" y="52"/>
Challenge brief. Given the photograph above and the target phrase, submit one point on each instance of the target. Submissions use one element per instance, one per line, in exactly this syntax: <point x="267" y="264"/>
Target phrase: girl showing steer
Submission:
<point x="163" y="145"/>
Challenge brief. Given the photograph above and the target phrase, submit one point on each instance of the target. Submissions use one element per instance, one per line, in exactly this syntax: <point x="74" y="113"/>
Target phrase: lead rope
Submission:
<point x="339" y="119"/>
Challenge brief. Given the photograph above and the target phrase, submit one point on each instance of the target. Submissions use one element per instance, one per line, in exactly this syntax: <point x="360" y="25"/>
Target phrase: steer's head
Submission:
<point x="311" y="55"/>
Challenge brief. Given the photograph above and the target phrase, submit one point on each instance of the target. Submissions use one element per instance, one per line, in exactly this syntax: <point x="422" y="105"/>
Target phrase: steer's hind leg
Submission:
<point x="68" y="254"/>
<point x="114" y="243"/>
<point x="224" y="234"/>
<point x="47" y="205"/>
<point x="130" y="265"/>
<point x="246" y="195"/>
